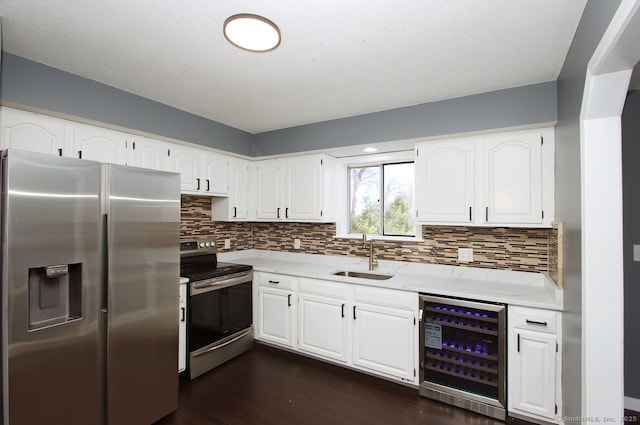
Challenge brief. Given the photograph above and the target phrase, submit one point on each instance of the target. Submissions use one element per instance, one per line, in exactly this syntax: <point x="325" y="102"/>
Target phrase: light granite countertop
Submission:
<point x="509" y="287"/>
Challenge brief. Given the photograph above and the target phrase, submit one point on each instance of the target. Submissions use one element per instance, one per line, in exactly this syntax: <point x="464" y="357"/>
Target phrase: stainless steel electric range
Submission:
<point x="219" y="321"/>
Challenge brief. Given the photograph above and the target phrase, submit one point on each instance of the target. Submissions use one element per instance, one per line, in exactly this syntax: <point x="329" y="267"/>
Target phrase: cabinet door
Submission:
<point x="182" y="329"/>
<point x="276" y="316"/>
<point x="445" y="181"/>
<point x="323" y="326"/>
<point x="303" y="186"/>
<point x="34" y="133"/>
<point x="148" y="153"/>
<point x="99" y="144"/>
<point x="186" y="161"/>
<point x="383" y="340"/>
<point x="513" y="178"/>
<point x="214" y="173"/>
<point x="533" y="373"/>
<point x="239" y="190"/>
<point x="268" y="186"/>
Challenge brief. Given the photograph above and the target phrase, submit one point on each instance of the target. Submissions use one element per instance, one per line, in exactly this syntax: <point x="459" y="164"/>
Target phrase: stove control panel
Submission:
<point x="195" y="245"/>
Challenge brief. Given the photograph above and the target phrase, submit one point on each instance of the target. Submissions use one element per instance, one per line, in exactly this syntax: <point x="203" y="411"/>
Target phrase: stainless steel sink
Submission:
<point x="363" y="275"/>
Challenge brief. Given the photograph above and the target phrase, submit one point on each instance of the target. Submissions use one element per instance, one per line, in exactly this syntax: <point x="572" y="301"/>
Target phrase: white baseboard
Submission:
<point x="632" y="404"/>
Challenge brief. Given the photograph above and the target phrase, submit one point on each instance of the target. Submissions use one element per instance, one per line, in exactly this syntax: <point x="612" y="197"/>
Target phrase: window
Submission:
<point x="381" y="199"/>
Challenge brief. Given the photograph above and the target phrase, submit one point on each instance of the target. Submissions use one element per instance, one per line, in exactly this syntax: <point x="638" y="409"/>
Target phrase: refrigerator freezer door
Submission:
<point x="143" y="240"/>
<point x="50" y="277"/>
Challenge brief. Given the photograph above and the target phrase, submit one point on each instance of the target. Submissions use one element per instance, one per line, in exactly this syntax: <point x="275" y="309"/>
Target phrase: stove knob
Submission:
<point x="201" y="244"/>
<point x="207" y="244"/>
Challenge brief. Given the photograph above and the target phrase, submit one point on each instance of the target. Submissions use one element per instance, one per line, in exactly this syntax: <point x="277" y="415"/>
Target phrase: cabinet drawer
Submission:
<point x="385" y="297"/>
<point x="275" y="280"/>
<point x="323" y="287"/>
<point x="534" y="319"/>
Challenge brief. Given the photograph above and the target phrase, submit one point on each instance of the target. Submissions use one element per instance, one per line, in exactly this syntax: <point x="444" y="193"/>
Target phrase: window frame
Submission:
<point x="416" y="236"/>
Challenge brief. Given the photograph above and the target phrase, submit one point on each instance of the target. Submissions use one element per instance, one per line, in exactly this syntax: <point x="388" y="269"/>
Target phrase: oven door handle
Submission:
<point x="202" y="353"/>
<point x="199" y="288"/>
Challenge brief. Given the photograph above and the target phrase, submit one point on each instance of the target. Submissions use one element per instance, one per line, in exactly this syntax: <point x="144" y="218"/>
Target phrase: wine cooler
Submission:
<point x="462" y="354"/>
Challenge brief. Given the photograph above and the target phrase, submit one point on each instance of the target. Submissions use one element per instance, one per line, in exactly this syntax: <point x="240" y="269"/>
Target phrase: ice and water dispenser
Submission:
<point x="55" y="295"/>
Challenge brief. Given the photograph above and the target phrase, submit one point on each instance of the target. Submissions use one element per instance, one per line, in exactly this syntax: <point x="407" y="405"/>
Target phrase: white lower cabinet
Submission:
<point x="383" y="340"/>
<point x="323" y="324"/>
<point x="384" y="331"/>
<point x="368" y="328"/>
<point x="534" y="381"/>
<point x="276" y="308"/>
<point x="323" y="327"/>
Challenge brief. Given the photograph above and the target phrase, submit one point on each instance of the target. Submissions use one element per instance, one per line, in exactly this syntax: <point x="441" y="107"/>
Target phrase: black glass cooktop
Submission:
<point x="206" y="266"/>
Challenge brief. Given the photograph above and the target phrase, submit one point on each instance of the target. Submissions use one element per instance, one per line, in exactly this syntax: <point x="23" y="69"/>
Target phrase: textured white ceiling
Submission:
<point x="337" y="58"/>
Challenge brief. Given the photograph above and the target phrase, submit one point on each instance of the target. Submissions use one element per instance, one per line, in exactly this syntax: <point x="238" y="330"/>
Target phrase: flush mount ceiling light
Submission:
<point x="252" y="32"/>
<point x="370" y="150"/>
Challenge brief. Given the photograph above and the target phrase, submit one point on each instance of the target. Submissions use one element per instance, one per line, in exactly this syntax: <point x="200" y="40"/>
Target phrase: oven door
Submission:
<point x="220" y="321"/>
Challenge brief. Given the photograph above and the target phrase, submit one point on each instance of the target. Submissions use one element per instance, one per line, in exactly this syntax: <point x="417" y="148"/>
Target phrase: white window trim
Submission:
<point x="342" y="193"/>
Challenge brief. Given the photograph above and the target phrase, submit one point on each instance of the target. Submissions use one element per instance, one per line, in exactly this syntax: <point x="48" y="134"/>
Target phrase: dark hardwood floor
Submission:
<point x="269" y="386"/>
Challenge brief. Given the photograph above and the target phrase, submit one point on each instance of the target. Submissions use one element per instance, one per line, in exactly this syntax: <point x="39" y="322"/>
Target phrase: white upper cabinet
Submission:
<point x="240" y="190"/>
<point x="293" y="188"/>
<point x="100" y="144"/>
<point x="149" y="153"/>
<point x="202" y="172"/>
<point x="503" y="179"/>
<point x="35" y="133"/>
<point x="268" y="189"/>
<point x="512" y="176"/>
<point x="236" y="206"/>
<point x="215" y="172"/>
<point x="303" y="187"/>
<point x="187" y="162"/>
<point x="445" y="176"/>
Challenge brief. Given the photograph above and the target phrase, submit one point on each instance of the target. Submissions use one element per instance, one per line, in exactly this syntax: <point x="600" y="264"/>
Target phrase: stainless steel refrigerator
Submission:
<point x="90" y="265"/>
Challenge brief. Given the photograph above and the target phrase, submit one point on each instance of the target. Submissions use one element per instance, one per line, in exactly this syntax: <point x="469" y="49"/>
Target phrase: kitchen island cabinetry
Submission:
<point x="534" y="363"/>
<point x="276" y="310"/>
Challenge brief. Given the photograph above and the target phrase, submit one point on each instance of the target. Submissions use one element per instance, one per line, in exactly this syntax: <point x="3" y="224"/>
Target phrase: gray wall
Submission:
<point x="595" y="20"/>
<point x="31" y="83"/>
<point x="504" y="108"/>
<point x="631" y="215"/>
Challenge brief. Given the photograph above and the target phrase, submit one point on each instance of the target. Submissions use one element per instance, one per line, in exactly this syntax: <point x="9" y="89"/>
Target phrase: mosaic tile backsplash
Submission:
<point x="519" y="249"/>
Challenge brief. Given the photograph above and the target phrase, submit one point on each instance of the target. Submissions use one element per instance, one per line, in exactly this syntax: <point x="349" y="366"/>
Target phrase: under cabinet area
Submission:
<point x="500" y="179"/>
<point x="367" y="328"/>
<point x="535" y="358"/>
